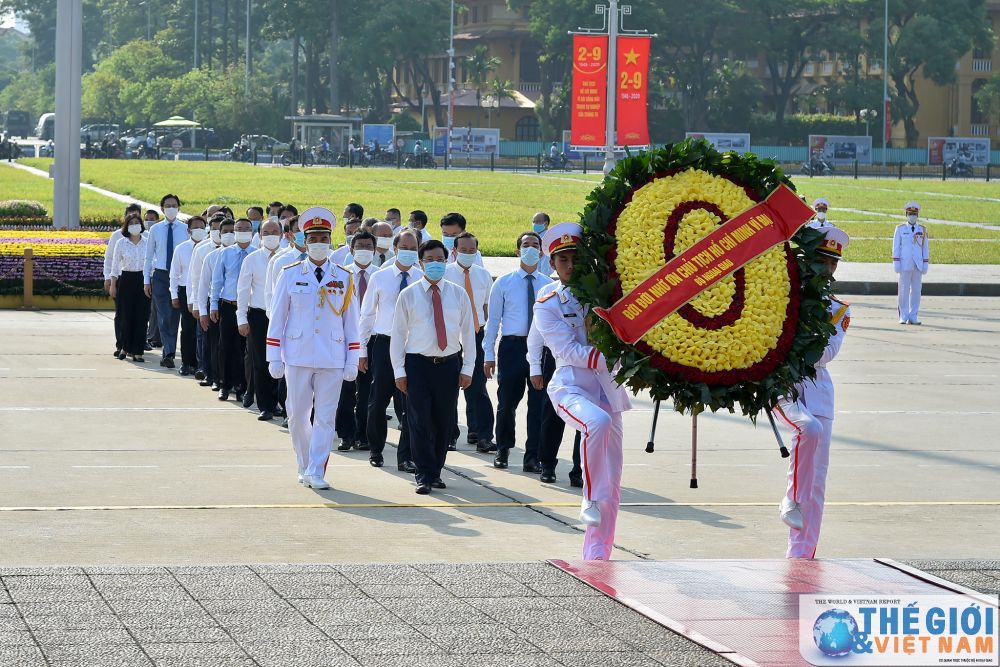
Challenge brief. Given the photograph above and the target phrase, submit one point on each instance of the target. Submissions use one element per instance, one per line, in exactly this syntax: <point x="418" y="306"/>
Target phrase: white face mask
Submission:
<point x="270" y="242"/>
<point x="228" y="239"/>
<point x="198" y="234"/>
<point x="135" y="230"/>
<point x="272" y="218"/>
<point x="149" y="223"/>
<point x="348" y="239"/>
<point x="821" y="215"/>
<point x="383" y="242"/>
<point x="466" y="259"/>
<point x="244" y="237"/>
<point x="318" y="251"/>
<point x="912" y="219"/>
<point x="363" y="257"/>
<point x="170" y="213"/>
<point x="216" y="236"/>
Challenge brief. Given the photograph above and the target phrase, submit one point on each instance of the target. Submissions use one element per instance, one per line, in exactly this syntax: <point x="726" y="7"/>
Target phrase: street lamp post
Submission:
<point x="246" y="59"/>
<point x="196" y="34"/>
<point x="451" y="84"/>
<point x="66" y="167"/>
<point x="885" y="87"/>
<point x="868" y="115"/>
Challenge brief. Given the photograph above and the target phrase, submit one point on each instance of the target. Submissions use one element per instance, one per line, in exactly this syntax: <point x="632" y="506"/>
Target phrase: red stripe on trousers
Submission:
<point x="795" y="462"/>
<point x="586" y="437"/>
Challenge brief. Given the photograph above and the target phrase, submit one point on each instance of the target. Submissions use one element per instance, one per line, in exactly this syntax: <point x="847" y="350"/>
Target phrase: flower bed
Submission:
<point x="65" y="263"/>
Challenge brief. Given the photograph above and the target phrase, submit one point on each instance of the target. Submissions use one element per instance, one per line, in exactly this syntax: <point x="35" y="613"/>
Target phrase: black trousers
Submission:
<point x="513" y="373"/>
<point x="352" y="411"/>
<point x="478" y="407"/>
<point x="189" y="327"/>
<point x="264" y="386"/>
<point x="249" y="376"/>
<point x="552" y="424"/>
<point x="118" y="322"/>
<point x="134" y="305"/>
<point x="383" y="389"/>
<point x="231" y="348"/>
<point x="431" y="402"/>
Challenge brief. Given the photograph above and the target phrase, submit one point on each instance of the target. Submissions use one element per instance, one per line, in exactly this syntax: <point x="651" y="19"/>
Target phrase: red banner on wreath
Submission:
<point x="633" y="70"/>
<point x="739" y="241"/>
<point x="590" y="90"/>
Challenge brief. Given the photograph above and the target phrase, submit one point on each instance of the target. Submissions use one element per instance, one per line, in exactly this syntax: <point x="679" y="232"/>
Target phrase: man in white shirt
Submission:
<point x="164" y="237"/>
<point x="109" y="253"/>
<point x="383" y="244"/>
<point x="352" y="411"/>
<point x="432" y="326"/>
<point x="476" y="282"/>
<point x="342" y="255"/>
<point x="377" y="313"/>
<point x="539" y="223"/>
<point x="511" y="312"/>
<point x="453" y="224"/>
<point x="251" y="316"/>
<point x="910" y="260"/>
<point x="418" y="223"/>
<point x="201" y="250"/>
<point x="395" y="220"/>
<point x="227" y="236"/>
<point x="178" y="293"/>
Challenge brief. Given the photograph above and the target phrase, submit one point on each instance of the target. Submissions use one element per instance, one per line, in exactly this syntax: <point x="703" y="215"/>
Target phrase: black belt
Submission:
<point x="131" y="271"/>
<point x="257" y="309"/>
<point x="377" y="336"/>
<point x="231" y="303"/>
<point x="437" y="360"/>
<point x="513" y="338"/>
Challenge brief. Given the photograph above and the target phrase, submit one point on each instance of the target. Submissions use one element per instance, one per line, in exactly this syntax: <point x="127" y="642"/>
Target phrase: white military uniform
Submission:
<point x="810" y="420"/>
<point x="910" y="259"/>
<point x="314" y="331"/>
<point x="586" y="397"/>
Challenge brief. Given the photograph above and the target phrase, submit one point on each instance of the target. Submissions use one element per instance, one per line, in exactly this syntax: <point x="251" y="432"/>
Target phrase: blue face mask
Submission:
<point x="530" y="255"/>
<point x="255" y="225"/>
<point x="406" y="257"/>
<point x="300" y="239"/>
<point x="538" y="227"/>
<point x="449" y="242"/>
<point x="434" y="270"/>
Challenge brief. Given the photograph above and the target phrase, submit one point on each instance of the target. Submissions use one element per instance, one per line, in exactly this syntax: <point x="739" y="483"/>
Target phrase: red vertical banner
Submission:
<point x="633" y="83"/>
<point x="887" y="117"/>
<point x="590" y="90"/>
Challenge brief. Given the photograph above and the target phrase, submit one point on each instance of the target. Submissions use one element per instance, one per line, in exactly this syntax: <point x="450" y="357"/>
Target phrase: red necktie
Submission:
<point x="363" y="285"/>
<point x="442" y="334"/>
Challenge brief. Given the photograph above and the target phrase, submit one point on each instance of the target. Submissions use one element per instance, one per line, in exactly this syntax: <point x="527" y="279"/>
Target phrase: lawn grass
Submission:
<point x="500" y="205"/>
<point x="19" y="184"/>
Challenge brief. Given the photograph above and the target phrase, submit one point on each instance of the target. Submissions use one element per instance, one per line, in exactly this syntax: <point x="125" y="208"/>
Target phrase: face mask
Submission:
<point x="383" y="242"/>
<point x="135" y="229"/>
<point x="198" y="234"/>
<point x="912" y="219"/>
<point x="406" y="257"/>
<point x="530" y="255"/>
<point x="449" y="242"/>
<point x="270" y="242"/>
<point x="255" y="225"/>
<point x="244" y="237"/>
<point x="272" y="218"/>
<point x="228" y="239"/>
<point x="216" y="236"/>
<point x="149" y="223"/>
<point x="318" y="251"/>
<point x="300" y="239"/>
<point x="466" y="259"/>
<point x="434" y="270"/>
<point x="348" y="239"/>
<point x="364" y="257"/>
<point x="538" y="227"/>
<point x="170" y="213"/>
<point x="821" y="215"/>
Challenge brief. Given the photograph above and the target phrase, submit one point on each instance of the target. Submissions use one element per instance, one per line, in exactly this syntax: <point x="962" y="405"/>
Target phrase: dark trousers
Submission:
<point x="153" y="329"/>
<point x="118" y="323"/>
<point x="231" y="348"/>
<point x="383" y="389"/>
<point x="352" y="411"/>
<point x="201" y="342"/>
<point x="214" y="353"/>
<point x="189" y="327"/>
<point x="431" y="403"/>
<point x="513" y="374"/>
<point x="167" y="317"/>
<point x="134" y="307"/>
<point x="264" y="386"/>
<point x="552" y="424"/>
<point x="478" y="407"/>
<point x="249" y="377"/>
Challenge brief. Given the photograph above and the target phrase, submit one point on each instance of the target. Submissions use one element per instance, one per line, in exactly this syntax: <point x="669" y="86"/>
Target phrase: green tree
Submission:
<point x="498" y="91"/>
<point x="988" y="98"/>
<point x="479" y="66"/>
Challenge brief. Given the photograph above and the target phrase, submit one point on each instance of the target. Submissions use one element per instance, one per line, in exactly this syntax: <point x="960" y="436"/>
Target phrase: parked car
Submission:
<point x="267" y="144"/>
<point x="97" y="131"/>
<point x="203" y="138"/>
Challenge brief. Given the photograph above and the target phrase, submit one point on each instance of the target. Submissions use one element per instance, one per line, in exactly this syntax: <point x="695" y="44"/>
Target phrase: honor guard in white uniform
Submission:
<point x="910" y="259"/>
<point x="810" y="420"/>
<point x="819" y="221"/>
<point x="312" y="338"/>
<point x="584" y="393"/>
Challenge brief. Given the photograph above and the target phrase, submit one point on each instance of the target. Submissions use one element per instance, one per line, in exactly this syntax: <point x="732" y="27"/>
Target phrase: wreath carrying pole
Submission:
<point x="652" y="430"/>
<point x="694" y="448"/>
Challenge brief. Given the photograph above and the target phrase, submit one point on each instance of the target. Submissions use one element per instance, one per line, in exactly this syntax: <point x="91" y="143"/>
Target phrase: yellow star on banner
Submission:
<point x="632" y="58"/>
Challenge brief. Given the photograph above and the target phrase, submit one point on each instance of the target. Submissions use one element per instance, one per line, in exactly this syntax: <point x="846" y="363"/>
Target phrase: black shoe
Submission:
<point x="199" y="375"/>
<point x="122" y="355"/>
<point x="423" y="489"/>
<point x="247" y="400"/>
<point x="284" y="423"/>
<point x="576" y="479"/>
<point x="149" y="346"/>
<point x="216" y="386"/>
<point x="185" y="371"/>
<point x="439" y="484"/>
<point x="204" y="382"/>
<point x="118" y="351"/>
<point x="486" y="447"/>
<point x="280" y="412"/>
<point x="238" y="392"/>
<point x="500" y="461"/>
<point x="137" y="358"/>
<point x="453" y="446"/>
<point x="532" y="468"/>
<point x="406" y="466"/>
<point x="223" y="394"/>
<point x="157" y="344"/>
<point x="548" y="476"/>
<point x="472" y="438"/>
<point x="361" y="446"/>
<point x="163" y="362"/>
<point x="265" y="416"/>
<point x="344" y="446"/>
<point x="168" y="362"/>
<point x="376" y="460"/>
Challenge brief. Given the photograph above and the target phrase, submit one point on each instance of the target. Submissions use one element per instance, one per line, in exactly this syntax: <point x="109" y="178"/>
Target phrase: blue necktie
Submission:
<point x="170" y="243"/>
<point x="402" y="280"/>
<point x="302" y="256"/>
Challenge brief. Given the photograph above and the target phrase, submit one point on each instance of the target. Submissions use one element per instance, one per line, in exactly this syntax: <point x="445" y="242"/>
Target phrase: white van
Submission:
<point x="46" y="128"/>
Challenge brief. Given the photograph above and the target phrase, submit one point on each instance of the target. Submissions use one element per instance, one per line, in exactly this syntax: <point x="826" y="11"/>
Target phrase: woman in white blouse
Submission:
<point x="127" y="287"/>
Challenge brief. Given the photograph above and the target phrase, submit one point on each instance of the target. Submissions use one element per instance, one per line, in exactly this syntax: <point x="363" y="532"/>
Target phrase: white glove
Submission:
<point x="276" y="369"/>
<point x="350" y="373"/>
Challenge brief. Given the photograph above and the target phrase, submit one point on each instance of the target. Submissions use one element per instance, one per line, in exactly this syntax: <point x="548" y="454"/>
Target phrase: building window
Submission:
<point x="475" y="14"/>
<point x="978" y="117"/>
<point x="526" y="129"/>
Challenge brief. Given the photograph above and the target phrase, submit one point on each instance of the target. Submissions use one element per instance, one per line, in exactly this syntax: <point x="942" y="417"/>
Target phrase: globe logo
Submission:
<point x="834" y="632"/>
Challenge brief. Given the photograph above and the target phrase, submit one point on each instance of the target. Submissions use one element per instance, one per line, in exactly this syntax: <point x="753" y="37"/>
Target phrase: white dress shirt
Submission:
<point x="194" y="270"/>
<point x="509" y="307"/>
<point x="380" y="302"/>
<point x="482" y="283"/>
<point x="129" y="256"/>
<point x="275" y="265"/>
<point x="342" y="256"/>
<point x="414" y="332"/>
<point x="156" y="250"/>
<point x="109" y="253"/>
<point x="179" y="266"/>
<point x="369" y="273"/>
<point x="250" y="287"/>
<point x="390" y="258"/>
<point x="202" y="305"/>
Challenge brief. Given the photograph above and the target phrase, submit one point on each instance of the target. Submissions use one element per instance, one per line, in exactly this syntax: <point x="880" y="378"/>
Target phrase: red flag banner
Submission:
<point x="590" y="90"/>
<point x="887" y="118"/>
<point x="739" y="241"/>
<point x="633" y="83"/>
